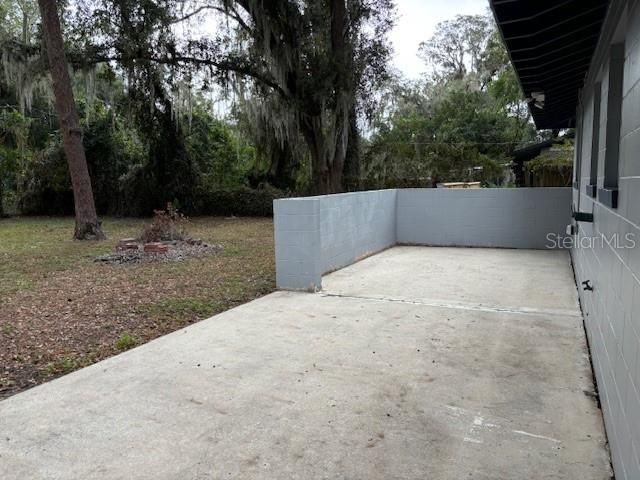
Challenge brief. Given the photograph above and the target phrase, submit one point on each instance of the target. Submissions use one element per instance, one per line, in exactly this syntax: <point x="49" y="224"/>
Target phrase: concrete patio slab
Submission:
<point x="518" y="280"/>
<point x="350" y="383"/>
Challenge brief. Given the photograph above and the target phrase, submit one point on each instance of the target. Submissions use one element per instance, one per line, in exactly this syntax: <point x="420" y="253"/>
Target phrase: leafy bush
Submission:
<point x="167" y="224"/>
<point x="133" y="169"/>
<point x="559" y="157"/>
<point x="245" y="202"/>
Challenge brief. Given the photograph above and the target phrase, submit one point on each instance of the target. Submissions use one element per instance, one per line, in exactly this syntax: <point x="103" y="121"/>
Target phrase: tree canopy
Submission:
<point x="458" y="124"/>
<point x="179" y="99"/>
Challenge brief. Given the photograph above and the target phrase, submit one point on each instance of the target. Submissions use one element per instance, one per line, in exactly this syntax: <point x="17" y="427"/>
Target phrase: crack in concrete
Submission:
<point x="463" y="306"/>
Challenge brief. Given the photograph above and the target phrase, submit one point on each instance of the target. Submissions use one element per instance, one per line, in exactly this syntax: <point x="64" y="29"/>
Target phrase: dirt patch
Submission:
<point x="174" y="251"/>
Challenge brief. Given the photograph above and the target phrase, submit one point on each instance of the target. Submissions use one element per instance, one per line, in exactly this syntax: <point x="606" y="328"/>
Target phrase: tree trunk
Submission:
<point x="328" y="180"/>
<point x="87" y="225"/>
<point x="283" y="167"/>
<point x="327" y="158"/>
<point x="352" y="161"/>
<point x="328" y="153"/>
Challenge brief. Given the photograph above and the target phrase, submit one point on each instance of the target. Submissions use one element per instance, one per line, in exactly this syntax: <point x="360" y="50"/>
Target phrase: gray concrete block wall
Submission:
<point x="612" y="310"/>
<point x="297" y="243"/>
<point x="613" y="327"/>
<point x="500" y="217"/>
<point x="355" y="225"/>
<point x="316" y="235"/>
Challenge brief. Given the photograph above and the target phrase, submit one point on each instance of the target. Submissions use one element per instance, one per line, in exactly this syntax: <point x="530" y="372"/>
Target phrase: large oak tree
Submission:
<point x="312" y="65"/>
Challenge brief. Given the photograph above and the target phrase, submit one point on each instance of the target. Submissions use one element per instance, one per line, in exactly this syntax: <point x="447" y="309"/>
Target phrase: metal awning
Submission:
<point x="551" y="43"/>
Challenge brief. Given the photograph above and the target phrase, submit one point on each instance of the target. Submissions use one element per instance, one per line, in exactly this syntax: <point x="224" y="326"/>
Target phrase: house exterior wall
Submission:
<point x="612" y="309"/>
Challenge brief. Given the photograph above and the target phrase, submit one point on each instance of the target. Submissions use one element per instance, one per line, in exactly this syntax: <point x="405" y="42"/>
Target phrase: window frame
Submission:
<point x="609" y="192"/>
<point x="591" y="189"/>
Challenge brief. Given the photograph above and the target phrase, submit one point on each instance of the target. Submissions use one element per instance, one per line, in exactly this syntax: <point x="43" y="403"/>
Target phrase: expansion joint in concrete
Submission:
<point x="462" y="306"/>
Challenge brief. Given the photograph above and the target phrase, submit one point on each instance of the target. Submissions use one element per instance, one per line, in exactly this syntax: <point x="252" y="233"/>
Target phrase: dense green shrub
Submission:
<point x="47" y="188"/>
<point x="132" y="173"/>
<point x="244" y="202"/>
<point x="223" y="159"/>
<point x="241" y="202"/>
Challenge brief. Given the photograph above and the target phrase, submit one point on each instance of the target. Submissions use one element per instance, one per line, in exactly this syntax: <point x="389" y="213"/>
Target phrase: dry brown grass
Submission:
<point x="60" y="311"/>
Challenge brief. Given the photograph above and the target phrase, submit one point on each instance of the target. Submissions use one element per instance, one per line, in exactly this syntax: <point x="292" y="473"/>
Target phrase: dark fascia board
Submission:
<point x="504" y="42"/>
<point x="539" y="117"/>
<point x="531" y="151"/>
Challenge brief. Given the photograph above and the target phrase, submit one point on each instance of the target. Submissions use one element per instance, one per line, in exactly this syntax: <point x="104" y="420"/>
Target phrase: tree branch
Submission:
<point x="225" y="65"/>
<point x="229" y="12"/>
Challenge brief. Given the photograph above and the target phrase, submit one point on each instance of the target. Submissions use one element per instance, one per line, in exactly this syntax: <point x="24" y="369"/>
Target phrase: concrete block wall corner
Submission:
<point x="317" y="235"/>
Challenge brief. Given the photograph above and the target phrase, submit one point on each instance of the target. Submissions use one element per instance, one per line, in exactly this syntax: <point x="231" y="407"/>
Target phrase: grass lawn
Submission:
<point x="60" y="311"/>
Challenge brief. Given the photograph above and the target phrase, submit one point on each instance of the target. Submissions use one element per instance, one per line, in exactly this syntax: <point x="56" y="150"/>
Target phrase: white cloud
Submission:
<point x="416" y="23"/>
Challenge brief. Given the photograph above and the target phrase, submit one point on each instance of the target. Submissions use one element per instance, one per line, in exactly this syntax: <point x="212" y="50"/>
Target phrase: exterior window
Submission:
<point x="608" y="194"/>
<point x="577" y="171"/>
<point x="592" y="188"/>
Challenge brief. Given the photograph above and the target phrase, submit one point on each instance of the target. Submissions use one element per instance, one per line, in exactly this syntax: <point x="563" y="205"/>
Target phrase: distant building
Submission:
<point x="459" y="185"/>
<point x="544" y="164"/>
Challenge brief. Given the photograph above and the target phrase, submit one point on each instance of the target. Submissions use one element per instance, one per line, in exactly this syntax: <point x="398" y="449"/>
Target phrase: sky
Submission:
<point x="416" y="23"/>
